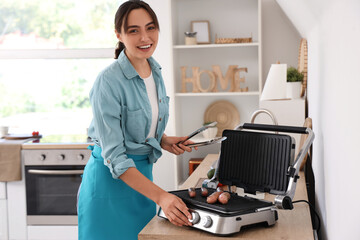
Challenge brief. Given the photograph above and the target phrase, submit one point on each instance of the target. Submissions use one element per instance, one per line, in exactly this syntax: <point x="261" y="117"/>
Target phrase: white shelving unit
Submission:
<point x="212" y="94"/>
<point x="228" y="19"/>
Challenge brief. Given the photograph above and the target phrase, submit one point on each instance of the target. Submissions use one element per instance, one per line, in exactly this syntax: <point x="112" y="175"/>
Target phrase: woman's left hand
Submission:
<point x="170" y="144"/>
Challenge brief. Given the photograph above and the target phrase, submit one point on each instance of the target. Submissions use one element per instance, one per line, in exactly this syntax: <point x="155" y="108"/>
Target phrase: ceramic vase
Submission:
<point x="293" y="90"/>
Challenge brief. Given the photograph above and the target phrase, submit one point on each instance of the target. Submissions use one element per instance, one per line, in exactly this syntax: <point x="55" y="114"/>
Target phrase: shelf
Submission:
<point x="253" y="44"/>
<point x="228" y="18"/>
<point x="217" y="94"/>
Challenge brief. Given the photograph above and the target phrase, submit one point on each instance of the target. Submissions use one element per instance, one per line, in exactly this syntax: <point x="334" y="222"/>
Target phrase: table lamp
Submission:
<point x="275" y="85"/>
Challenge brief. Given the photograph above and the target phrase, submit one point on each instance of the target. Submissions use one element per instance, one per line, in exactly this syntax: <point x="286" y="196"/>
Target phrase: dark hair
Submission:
<point x="121" y="19"/>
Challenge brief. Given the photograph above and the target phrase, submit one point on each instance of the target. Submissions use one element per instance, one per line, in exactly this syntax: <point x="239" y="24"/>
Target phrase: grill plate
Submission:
<point x="256" y="161"/>
<point x="236" y="205"/>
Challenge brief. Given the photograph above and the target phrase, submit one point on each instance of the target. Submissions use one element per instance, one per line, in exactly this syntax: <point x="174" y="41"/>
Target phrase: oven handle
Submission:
<point x="56" y="172"/>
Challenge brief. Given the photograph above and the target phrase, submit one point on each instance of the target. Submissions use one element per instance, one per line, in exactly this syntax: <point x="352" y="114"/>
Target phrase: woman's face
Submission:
<point x="141" y="38"/>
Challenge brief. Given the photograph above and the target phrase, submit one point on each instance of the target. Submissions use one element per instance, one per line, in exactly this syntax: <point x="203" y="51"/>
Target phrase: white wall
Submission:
<point x="332" y="29"/>
<point x="280" y="39"/>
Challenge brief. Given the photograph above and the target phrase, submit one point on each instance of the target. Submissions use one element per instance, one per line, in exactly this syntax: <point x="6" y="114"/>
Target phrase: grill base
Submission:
<point x="226" y="225"/>
<point x="229" y="218"/>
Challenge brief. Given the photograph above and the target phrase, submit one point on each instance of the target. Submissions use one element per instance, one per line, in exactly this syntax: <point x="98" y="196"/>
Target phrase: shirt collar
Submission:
<point x="128" y="69"/>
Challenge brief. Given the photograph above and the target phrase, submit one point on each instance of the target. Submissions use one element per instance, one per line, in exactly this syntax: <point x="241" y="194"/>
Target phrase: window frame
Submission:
<point x="87" y="53"/>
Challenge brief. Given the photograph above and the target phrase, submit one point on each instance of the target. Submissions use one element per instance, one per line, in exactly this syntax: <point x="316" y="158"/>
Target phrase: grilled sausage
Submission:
<point x="213" y="197"/>
<point x="224" y="197"/>
<point x="204" y="192"/>
<point x="192" y="192"/>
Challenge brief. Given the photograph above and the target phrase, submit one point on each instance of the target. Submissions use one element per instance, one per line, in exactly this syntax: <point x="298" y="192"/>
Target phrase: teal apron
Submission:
<point x="108" y="209"/>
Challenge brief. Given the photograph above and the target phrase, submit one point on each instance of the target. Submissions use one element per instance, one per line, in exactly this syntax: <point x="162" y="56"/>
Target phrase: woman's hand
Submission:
<point x="170" y="144"/>
<point x="175" y="209"/>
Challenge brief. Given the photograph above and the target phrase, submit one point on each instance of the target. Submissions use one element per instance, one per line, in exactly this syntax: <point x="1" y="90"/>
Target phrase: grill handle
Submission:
<point x="274" y="128"/>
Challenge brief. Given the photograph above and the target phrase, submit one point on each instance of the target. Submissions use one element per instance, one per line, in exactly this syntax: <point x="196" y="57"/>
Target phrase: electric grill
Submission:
<point x="257" y="162"/>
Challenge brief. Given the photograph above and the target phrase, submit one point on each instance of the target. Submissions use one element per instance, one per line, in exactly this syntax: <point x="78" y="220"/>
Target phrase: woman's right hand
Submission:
<point x="175" y="209"/>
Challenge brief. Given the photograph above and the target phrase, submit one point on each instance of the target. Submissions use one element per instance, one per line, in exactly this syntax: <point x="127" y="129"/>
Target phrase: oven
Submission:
<point x="52" y="180"/>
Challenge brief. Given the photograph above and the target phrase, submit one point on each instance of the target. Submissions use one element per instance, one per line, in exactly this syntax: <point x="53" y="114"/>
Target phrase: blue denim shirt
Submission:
<point x="122" y="114"/>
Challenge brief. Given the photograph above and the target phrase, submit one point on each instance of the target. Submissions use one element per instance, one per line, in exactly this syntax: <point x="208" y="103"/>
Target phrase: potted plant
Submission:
<point x="294" y="81"/>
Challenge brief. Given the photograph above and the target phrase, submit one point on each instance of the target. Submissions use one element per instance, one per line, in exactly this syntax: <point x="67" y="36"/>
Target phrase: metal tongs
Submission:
<point x="196" y="132"/>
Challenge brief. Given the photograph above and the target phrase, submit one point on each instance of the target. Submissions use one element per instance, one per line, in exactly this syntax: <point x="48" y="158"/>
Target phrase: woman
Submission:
<point x="117" y="196"/>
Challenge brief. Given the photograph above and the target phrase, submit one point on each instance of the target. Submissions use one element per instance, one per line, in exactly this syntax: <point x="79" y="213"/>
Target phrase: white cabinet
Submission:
<point x="3" y="220"/>
<point x="2" y="190"/>
<point x="3" y="212"/>
<point x="227" y="19"/>
<point x="16" y="198"/>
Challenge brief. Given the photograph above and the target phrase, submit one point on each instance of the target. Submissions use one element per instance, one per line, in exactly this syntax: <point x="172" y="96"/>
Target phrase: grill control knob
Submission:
<point x="195" y="218"/>
<point x="206" y="221"/>
<point x="61" y="157"/>
<point x="42" y="157"/>
<point x="80" y="157"/>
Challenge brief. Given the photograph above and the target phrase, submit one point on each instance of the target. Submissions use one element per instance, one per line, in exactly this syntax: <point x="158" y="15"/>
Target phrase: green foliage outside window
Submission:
<point x="74" y="24"/>
<point x="79" y="24"/>
<point x="73" y="95"/>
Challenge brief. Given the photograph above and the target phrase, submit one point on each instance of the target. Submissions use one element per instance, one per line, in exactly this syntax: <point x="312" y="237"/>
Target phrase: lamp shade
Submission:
<point x="275" y="85"/>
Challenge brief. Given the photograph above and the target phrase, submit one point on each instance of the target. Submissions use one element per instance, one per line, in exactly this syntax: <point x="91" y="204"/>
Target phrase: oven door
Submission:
<point x="51" y="194"/>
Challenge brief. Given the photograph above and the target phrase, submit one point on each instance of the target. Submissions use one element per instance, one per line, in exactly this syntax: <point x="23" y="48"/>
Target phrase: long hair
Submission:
<point x="121" y="19"/>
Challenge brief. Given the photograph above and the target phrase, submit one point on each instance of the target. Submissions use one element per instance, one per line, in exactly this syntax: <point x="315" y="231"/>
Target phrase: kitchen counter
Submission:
<point x="57" y="141"/>
<point x="292" y="224"/>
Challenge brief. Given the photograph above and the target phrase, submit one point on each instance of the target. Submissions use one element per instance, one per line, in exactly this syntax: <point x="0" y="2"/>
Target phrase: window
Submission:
<point x="50" y="55"/>
<point x="57" y="24"/>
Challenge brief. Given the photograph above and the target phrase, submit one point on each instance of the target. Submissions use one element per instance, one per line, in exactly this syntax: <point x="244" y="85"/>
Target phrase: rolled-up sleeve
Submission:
<point x="106" y="107"/>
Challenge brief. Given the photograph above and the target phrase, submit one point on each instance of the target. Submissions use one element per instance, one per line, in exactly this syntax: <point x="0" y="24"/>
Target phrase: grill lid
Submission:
<point x="256" y="161"/>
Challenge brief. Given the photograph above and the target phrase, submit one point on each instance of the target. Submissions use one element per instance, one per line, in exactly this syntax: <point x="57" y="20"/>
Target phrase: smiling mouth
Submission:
<point x="145" y="47"/>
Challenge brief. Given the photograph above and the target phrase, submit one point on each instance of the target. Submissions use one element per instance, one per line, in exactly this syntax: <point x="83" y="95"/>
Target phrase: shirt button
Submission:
<point x="108" y="161"/>
<point x="160" y="100"/>
<point x="146" y="140"/>
<point x="160" y="119"/>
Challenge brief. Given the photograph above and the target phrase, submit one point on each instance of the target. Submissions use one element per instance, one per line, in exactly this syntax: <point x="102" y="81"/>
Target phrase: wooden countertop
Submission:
<point x="28" y="144"/>
<point x="292" y="224"/>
